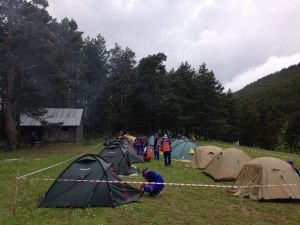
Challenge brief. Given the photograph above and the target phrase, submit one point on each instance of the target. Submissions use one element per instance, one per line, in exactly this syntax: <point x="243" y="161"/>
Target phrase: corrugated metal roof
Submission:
<point x="66" y="116"/>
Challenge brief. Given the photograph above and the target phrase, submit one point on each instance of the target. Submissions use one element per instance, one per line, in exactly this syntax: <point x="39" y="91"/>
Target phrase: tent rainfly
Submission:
<point x="203" y="156"/>
<point x="268" y="171"/>
<point x="227" y="165"/>
<point x="119" y="157"/>
<point x="78" y="194"/>
<point x="151" y="140"/>
<point x="130" y="137"/>
<point x="179" y="140"/>
<point x="128" y="146"/>
<point x="181" y="150"/>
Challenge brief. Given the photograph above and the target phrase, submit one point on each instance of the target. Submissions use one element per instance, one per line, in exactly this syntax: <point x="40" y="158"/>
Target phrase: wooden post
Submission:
<point x="241" y="202"/>
<point x="15" y="195"/>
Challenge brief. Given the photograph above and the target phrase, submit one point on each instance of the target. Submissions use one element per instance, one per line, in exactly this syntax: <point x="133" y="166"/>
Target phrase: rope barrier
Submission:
<point x="49" y="167"/>
<point x="158" y="183"/>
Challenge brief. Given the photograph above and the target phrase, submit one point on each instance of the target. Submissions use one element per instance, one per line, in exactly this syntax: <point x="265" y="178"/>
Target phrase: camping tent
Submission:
<point x="80" y="194"/>
<point x="203" y="156"/>
<point x="268" y="171"/>
<point x="227" y="165"/>
<point x="130" y="137"/>
<point x="151" y="140"/>
<point x="119" y="157"/>
<point x="127" y="146"/>
<point x="179" y="140"/>
<point x="181" y="150"/>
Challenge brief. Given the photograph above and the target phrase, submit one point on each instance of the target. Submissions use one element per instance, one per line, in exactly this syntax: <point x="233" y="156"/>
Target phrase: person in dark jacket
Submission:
<point x="152" y="176"/>
<point x="156" y="147"/>
<point x="291" y="162"/>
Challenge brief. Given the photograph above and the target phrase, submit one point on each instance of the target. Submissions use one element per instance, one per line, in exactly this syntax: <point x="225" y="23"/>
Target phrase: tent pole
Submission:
<point x="15" y="195"/>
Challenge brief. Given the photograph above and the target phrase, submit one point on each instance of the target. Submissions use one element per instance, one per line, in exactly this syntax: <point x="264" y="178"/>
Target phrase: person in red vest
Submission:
<point x="166" y="148"/>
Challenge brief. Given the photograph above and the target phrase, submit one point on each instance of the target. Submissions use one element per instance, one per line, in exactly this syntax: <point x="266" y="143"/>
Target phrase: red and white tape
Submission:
<point x="165" y="183"/>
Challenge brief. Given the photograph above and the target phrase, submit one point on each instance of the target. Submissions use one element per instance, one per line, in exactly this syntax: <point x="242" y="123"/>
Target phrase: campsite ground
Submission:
<point x="176" y="205"/>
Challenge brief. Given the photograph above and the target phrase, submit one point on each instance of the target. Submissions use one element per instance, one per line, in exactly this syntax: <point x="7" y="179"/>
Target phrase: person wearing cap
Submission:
<point x="291" y="162"/>
<point x="166" y="148"/>
<point x="152" y="176"/>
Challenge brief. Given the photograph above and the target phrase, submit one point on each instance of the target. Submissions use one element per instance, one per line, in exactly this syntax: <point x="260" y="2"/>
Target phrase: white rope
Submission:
<point x="159" y="183"/>
<point x="49" y="167"/>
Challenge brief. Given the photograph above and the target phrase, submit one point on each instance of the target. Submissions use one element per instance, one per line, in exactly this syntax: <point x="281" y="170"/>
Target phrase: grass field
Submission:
<point x="176" y="205"/>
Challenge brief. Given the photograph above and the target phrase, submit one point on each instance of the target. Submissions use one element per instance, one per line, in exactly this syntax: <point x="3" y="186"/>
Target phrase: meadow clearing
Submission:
<point x="176" y="205"/>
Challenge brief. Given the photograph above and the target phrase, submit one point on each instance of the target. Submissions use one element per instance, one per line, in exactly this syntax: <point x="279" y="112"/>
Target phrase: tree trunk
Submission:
<point x="10" y="110"/>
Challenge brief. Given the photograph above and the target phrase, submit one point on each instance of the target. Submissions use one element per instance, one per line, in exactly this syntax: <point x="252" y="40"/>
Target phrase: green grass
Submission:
<point x="176" y="205"/>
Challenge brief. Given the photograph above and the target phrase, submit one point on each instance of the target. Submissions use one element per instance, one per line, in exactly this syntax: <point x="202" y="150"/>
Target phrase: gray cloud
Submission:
<point x="231" y="36"/>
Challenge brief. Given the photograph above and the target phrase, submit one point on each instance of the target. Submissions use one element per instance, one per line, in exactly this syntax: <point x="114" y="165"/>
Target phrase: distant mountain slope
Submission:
<point x="280" y="90"/>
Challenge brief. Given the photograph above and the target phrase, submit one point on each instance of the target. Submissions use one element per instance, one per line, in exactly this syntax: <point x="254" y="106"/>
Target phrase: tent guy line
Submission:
<point x="167" y="183"/>
<point x="49" y="167"/>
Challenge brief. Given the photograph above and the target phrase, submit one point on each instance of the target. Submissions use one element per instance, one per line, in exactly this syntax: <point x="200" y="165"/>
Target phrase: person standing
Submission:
<point x="156" y="147"/>
<point x="166" y="148"/>
<point x="33" y="139"/>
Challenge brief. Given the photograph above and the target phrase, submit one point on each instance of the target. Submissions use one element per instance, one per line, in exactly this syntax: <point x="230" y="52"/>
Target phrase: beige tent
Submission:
<point x="268" y="171"/>
<point x="227" y="165"/>
<point x="203" y="155"/>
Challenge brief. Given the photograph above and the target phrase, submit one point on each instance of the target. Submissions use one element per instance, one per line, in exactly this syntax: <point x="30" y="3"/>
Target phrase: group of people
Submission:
<point x="140" y="144"/>
<point x="163" y="144"/>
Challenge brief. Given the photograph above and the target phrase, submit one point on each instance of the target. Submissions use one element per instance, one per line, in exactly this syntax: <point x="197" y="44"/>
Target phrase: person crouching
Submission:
<point x="152" y="189"/>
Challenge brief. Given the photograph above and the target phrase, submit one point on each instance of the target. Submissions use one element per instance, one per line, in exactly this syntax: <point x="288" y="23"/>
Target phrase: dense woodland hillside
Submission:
<point x="270" y="108"/>
<point x="281" y="89"/>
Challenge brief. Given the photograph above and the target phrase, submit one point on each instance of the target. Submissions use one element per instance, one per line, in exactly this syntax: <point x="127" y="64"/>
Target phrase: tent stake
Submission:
<point x="15" y="195"/>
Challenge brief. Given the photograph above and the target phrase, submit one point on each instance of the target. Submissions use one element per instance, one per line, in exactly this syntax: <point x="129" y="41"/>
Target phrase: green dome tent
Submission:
<point x="76" y="194"/>
<point x="179" y="140"/>
<point x="181" y="149"/>
<point x="119" y="157"/>
<point x="127" y="146"/>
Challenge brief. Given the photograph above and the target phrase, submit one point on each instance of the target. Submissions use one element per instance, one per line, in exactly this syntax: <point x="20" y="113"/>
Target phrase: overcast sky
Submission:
<point x="240" y="40"/>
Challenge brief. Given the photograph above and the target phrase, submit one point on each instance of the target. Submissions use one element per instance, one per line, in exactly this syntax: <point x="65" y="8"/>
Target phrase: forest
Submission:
<point x="50" y="63"/>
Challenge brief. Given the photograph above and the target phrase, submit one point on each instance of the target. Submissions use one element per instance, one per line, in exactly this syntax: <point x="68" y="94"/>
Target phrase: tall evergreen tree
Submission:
<point x="92" y="80"/>
<point x="26" y="45"/>
<point x="120" y="75"/>
<point x="292" y="135"/>
<point x="147" y="92"/>
<point x="210" y="115"/>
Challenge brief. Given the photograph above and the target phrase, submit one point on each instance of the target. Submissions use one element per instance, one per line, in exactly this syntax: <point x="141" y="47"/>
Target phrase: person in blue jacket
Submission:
<point x="291" y="162"/>
<point x="152" y="176"/>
